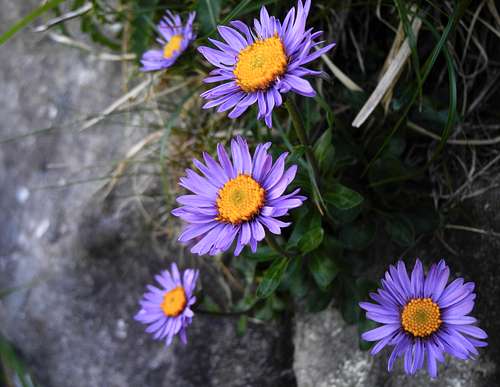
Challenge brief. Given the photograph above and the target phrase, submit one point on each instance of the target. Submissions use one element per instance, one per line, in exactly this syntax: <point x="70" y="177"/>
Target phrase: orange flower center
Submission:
<point x="260" y="64"/>
<point x="173" y="45"/>
<point x="421" y="317"/>
<point x="174" y="302"/>
<point x="240" y="200"/>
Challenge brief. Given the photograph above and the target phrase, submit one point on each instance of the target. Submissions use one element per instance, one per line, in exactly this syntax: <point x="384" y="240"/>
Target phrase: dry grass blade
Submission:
<point x="396" y="44"/>
<point x="62" y="39"/>
<point x="67" y="16"/>
<point x="388" y="79"/>
<point x="120" y="169"/>
<point x="340" y="75"/>
<point x="494" y="11"/>
<point x="132" y="94"/>
<point x="472" y="229"/>
<point x="489" y="26"/>
<point x="490" y="141"/>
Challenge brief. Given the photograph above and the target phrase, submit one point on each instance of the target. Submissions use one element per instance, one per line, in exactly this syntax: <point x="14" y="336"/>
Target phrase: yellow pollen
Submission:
<point x="421" y="317"/>
<point x="260" y="64"/>
<point x="173" y="45"/>
<point x="174" y="302"/>
<point x="240" y="200"/>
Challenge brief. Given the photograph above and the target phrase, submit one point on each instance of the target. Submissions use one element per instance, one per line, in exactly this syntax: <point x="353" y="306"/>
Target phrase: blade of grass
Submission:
<point x="387" y="81"/>
<point x="163" y="142"/>
<point x="10" y="362"/>
<point x="412" y="40"/>
<point x="452" y="113"/>
<point x="241" y="9"/>
<point x="65" y="17"/>
<point x="452" y="22"/>
<point x="317" y="197"/>
<point x="28" y="19"/>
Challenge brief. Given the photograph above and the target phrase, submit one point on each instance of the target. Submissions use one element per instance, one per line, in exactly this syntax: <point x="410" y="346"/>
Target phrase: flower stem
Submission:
<point x="300" y="130"/>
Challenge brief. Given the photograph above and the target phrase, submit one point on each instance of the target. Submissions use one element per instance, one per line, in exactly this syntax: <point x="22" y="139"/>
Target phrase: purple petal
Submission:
<point x="258" y="232"/>
<point x="225" y="162"/>
<point x="299" y="85"/>
<point x="417" y="279"/>
<point x="232" y="37"/>
<point x="380" y="332"/>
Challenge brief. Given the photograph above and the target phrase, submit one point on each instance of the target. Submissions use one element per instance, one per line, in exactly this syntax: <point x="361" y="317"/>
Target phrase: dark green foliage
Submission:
<point x="141" y="26"/>
<point x="28" y="19"/>
<point x="366" y="186"/>
<point x="400" y="230"/>
<point x="208" y="15"/>
<point x="311" y="240"/>
<point x="342" y="197"/>
<point x="323" y="268"/>
<point x="12" y="369"/>
<point x="272" y="277"/>
<point x="358" y="236"/>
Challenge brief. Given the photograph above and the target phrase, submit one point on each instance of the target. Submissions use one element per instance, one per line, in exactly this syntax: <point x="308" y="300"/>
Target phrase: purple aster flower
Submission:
<point x="166" y="309"/>
<point x="174" y="38"/>
<point x="422" y="317"/>
<point x="258" y="66"/>
<point x="235" y="200"/>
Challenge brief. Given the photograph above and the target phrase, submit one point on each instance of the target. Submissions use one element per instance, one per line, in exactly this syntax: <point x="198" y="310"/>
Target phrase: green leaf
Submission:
<point x="11" y="363"/>
<point x="245" y="304"/>
<point x="242" y="326"/>
<point x="385" y="169"/>
<point x="365" y="325"/>
<point x="141" y="26"/>
<point x="263" y="254"/>
<point x="311" y="240"/>
<point x="364" y="287"/>
<point x="208" y="304"/>
<point x="208" y="15"/>
<point x="272" y="278"/>
<point x="345" y="216"/>
<point x="277" y="303"/>
<point x="357" y="236"/>
<point x="349" y="302"/>
<point x="326" y="107"/>
<point x="296" y="154"/>
<point x="318" y="300"/>
<point x="236" y="11"/>
<point x="19" y="25"/>
<point x="265" y="312"/>
<point x="342" y="197"/>
<point x="295" y="278"/>
<point x="333" y="247"/>
<point x="400" y="230"/>
<point x="323" y="269"/>
<point x="324" y="152"/>
<point x="306" y="221"/>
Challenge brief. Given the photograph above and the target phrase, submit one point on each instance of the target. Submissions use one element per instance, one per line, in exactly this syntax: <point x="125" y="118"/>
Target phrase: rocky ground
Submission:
<point x="86" y="260"/>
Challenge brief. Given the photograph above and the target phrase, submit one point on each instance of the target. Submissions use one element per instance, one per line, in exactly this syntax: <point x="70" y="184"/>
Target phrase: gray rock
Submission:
<point x="85" y="262"/>
<point x="327" y="354"/>
<point x="326" y="349"/>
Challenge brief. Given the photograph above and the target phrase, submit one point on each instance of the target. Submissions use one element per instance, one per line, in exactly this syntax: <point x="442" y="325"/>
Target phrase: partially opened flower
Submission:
<point x="258" y="66"/>
<point x="166" y="309"/>
<point x="423" y="318"/>
<point x="235" y="200"/>
<point x="174" y="39"/>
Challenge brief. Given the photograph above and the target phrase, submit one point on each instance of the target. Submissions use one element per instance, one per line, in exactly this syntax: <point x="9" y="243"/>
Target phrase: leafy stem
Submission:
<point x="300" y="130"/>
